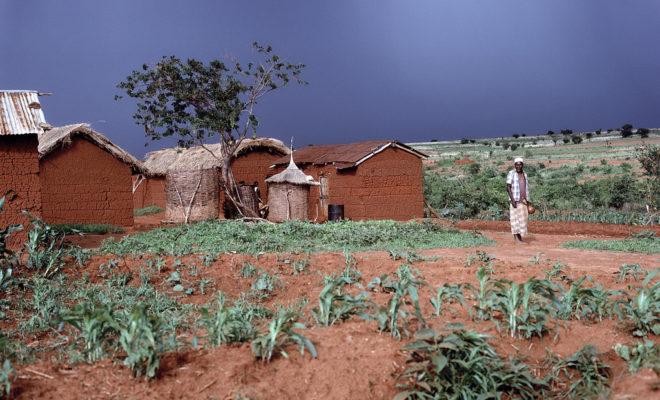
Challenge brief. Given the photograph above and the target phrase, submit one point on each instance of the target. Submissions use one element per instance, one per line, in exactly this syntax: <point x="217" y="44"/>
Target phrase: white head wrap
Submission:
<point x="518" y="160"/>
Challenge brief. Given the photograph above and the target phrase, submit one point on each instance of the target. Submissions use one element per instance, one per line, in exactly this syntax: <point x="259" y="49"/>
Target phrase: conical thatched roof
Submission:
<point x="160" y="161"/>
<point x="59" y="137"/>
<point x="293" y="175"/>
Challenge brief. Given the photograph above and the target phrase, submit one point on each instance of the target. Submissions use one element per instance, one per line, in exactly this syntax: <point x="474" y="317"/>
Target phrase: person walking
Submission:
<point x="517" y="185"/>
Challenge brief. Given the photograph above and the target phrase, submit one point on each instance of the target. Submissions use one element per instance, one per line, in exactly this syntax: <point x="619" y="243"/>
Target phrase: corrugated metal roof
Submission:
<point x="20" y="113"/>
<point x="344" y="155"/>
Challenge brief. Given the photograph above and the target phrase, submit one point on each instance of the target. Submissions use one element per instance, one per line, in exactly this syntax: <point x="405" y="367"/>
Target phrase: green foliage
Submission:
<point x="148" y="210"/>
<point x="335" y="305"/>
<point x="227" y="325"/>
<point x="248" y="270"/>
<point x="44" y="248"/>
<point x="648" y="246"/>
<point x="80" y="255"/>
<point x="484" y="259"/>
<point x="265" y="284"/>
<point x="140" y="337"/>
<point x="45" y="307"/>
<point x="7" y="376"/>
<point x="8" y="259"/>
<point x="226" y="236"/>
<point x="447" y="293"/>
<point x="526" y="307"/>
<point x="484" y="294"/>
<point x="582" y="375"/>
<point x="95" y="323"/>
<point x="582" y="302"/>
<point x="93" y="229"/>
<point x="408" y="255"/>
<point x="643" y="310"/>
<point x="280" y="335"/>
<point x="626" y="270"/>
<point x="462" y="365"/>
<point x="642" y="355"/>
<point x="350" y="273"/>
<point x="300" y="266"/>
<point x="394" y="318"/>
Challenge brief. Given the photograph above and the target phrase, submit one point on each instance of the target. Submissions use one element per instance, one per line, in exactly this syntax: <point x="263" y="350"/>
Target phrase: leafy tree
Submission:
<point x="589" y="135"/>
<point x="195" y="102"/>
<point x="554" y="139"/>
<point x="550" y="133"/>
<point x="576" y="139"/>
<point x="567" y="132"/>
<point x="643" y="132"/>
<point x="626" y="130"/>
<point x="599" y="131"/>
<point x="515" y="136"/>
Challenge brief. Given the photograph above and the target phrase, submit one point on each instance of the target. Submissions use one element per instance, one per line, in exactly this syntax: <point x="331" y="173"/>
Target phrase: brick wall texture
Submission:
<point x="83" y="183"/>
<point x="387" y="186"/>
<point x="19" y="168"/>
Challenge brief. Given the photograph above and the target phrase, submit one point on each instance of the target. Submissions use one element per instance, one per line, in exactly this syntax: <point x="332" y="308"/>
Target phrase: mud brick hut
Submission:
<point x="85" y="178"/>
<point x="378" y="179"/>
<point x="21" y="120"/>
<point x="250" y="166"/>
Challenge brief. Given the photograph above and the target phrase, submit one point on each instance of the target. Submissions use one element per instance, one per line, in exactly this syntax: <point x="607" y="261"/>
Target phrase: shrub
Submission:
<point x="643" y="310"/>
<point x="576" y="139"/>
<point x="582" y="375"/>
<point x="641" y="355"/>
<point x="626" y="130"/>
<point x="462" y="365"/>
<point x="566" y="140"/>
<point x="643" y="132"/>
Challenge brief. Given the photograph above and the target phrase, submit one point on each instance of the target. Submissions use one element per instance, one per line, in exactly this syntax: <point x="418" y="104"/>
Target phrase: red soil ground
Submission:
<point x="355" y="361"/>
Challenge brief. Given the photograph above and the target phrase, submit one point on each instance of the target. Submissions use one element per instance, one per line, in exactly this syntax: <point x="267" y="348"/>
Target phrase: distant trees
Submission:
<point x="550" y="133"/>
<point x="626" y="130"/>
<point x="576" y="139"/>
<point x="599" y="131"/>
<point x="589" y="135"/>
<point x="554" y="139"/>
<point x="567" y="132"/>
<point x="516" y="135"/>
<point x="643" y="132"/>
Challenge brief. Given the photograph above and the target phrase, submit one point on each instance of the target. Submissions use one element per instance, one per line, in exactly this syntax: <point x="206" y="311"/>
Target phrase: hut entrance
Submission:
<point x="191" y="195"/>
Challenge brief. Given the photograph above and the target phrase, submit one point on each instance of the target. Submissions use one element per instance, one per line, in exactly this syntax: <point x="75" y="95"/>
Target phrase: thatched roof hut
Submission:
<point x="158" y="162"/>
<point x="287" y="194"/>
<point x="62" y="136"/>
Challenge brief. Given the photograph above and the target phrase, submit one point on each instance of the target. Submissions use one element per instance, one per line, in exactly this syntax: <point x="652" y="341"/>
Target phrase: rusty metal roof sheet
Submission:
<point x="344" y="156"/>
<point x="20" y="113"/>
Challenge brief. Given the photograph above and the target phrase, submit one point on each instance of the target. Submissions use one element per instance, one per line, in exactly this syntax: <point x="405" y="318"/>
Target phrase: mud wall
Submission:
<point x="150" y="192"/>
<point x="254" y="167"/>
<point x="83" y="183"/>
<point x="19" y="172"/>
<point x="390" y="185"/>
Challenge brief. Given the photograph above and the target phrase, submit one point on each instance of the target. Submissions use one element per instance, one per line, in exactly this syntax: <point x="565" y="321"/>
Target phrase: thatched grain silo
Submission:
<point x="191" y="194"/>
<point x="287" y="194"/>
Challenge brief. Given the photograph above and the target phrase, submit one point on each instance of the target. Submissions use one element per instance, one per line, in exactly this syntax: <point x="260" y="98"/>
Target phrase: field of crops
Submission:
<point x="348" y="310"/>
<point x="601" y="180"/>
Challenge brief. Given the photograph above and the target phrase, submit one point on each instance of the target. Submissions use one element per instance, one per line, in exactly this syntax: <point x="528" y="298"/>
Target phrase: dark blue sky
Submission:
<point x="410" y="70"/>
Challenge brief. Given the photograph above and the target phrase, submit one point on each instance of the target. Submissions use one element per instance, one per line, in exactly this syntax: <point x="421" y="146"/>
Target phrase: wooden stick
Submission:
<point x="208" y="385"/>
<point x="39" y="373"/>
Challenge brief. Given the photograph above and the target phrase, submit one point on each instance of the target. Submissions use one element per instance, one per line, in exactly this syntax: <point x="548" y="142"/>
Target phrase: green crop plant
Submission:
<point x="643" y="310"/>
<point x="265" y="284"/>
<point x="484" y="294"/>
<point x="580" y="376"/>
<point x="582" y="302"/>
<point x="226" y="325"/>
<point x="447" y="293"/>
<point x="7" y="376"/>
<point x="526" y="306"/>
<point x="557" y="271"/>
<point x="335" y="305"/>
<point x="642" y="355"/>
<point x="44" y="248"/>
<point x="408" y="255"/>
<point x="80" y="255"/>
<point x="633" y="270"/>
<point x="351" y="272"/>
<point x="281" y="334"/>
<point x="96" y="324"/>
<point x="140" y="337"/>
<point x="483" y="258"/>
<point x="238" y="236"/>
<point x="45" y="307"/>
<point x="300" y="266"/>
<point x="462" y="365"/>
<point x="248" y="270"/>
<point x="8" y="259"/>
<point x="394" y="317"/>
